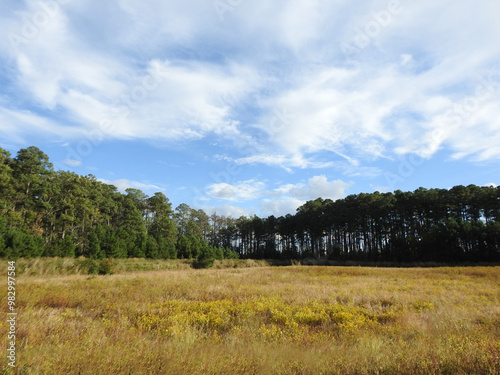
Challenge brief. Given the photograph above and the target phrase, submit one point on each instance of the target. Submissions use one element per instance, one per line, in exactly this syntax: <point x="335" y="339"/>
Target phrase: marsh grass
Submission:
<point x="259" y="320"/>
<point x="83" y="266"/>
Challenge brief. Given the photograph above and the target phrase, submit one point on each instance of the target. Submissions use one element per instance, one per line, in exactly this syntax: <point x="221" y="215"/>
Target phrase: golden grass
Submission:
<point x="266" y="320"/>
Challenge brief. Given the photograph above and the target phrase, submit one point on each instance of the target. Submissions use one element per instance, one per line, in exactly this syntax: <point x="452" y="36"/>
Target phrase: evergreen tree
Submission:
<point x="65" y="214"/>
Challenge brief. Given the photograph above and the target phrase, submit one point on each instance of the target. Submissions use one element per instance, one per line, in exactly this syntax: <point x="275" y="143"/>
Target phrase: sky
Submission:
<point x="254" y="107"/>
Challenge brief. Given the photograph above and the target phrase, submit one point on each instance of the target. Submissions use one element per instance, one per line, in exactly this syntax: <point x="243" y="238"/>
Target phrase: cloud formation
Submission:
<point x="298" y="84"/>
<point x="287" y="198"/>
<point x="242" y="191"/>
<point x="124" y="184"/>
<point x="280" y="200"/>
<point x="391" y="96"/>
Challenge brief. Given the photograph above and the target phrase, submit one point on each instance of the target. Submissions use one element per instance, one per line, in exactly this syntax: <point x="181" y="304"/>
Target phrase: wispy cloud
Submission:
<point x="269" y="84"/>
<point x="383" y="102"/>
<point x="72" y="163"/>
<point x="124" y="184"/>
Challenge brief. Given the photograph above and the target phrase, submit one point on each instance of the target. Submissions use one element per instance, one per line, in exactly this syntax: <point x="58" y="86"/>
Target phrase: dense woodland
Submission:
<point x="58" y="213"/>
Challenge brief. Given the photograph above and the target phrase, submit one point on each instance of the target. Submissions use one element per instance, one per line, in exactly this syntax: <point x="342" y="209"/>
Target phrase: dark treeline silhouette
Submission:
<point x="456" y="225"/>
<point x="56" y="213"/>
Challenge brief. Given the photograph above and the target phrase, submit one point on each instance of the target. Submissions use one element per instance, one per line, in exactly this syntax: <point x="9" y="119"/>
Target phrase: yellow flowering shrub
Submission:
<point x="273" y="318"/>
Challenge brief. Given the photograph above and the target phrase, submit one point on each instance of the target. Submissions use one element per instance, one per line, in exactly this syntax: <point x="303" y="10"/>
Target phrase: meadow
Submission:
<point x="248" y="318"/>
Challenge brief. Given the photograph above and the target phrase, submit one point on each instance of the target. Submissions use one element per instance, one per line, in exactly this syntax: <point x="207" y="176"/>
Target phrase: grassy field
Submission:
<point x="256" y="320"/>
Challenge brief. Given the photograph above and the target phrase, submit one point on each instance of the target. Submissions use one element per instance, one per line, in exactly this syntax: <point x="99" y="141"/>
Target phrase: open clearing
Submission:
<point x="262" y="320"/>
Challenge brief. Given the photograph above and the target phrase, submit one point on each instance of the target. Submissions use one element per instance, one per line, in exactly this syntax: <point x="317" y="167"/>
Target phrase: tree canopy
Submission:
<point x="58" y="213"/>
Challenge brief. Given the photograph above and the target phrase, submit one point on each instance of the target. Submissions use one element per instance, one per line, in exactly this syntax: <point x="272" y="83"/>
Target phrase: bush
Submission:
<point x="19" y="243"/>
<point x="61" y="248"/>
<point x="204" y="263"/>
<point x="94" y="267"/>
<point x="90" y="266"/>
<point x="106" y="267"/>
<point x="230" y="254"/>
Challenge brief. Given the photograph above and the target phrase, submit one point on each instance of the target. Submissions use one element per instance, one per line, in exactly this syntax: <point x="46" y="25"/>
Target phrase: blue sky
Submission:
<point x="254" y="107"/>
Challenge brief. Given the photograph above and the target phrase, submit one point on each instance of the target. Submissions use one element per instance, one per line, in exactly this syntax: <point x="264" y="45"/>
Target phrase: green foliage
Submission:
<point x="61" y="248"/>
<point x="103" y="266"/>
<point x="230" y="254"/>
<point x="204" y="263"/>
<point x="112" y="245"/>
<point x="67" y="247"/>
<point x="216" y="253"/>
<point x="184" y="247"/>
<point x="62" y="214"/>
<point x="106" y="267"/>
<point x="3" y="230"/>
<point x="94" y="250"/>
<point x="90" y="266"/>
<point x="166" y="248"/>
<point x="19" y="243"/>
<point x="152" y="248"/>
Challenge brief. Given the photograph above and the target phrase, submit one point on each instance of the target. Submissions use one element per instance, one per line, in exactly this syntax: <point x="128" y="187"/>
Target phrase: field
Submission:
<point x="257" y="320"/>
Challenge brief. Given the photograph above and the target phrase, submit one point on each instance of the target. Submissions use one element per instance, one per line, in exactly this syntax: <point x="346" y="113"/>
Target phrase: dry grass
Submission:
<point x="266" y="320"/>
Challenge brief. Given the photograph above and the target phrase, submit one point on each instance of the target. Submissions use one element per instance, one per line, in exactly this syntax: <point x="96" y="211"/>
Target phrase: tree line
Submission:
<point x="56" y="213"/>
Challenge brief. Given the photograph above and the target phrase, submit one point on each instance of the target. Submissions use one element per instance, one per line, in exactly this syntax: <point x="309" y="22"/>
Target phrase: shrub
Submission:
<point x="106" y="267"/>
<point x="89" y="266"/>
<point x="203" y="263"/>
<point x="19" y="243"/>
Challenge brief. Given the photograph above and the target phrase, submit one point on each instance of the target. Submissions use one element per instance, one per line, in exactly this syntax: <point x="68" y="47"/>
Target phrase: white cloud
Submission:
<point x="287" y="198"/>
<point x="406" y="59"/>
<point x="228" y="211"/>
<point x="300" y="23"/>
<point x="389" y="102"/>
<point x="242" y="191"/>
<point x="287" y="162"/>
<point x="63" y="71"/>
<point x="279" y="201"/>
<point x="166" y="101"/>
<point x="124" y="184"/>
<point x="316" y="187"/>
<point x="72" y="163"/>
<point x="172" y="71"/>
<point x="280" y="207"/>
<point x="319" y="186"/>
<point x="294" y="195"/>
<point x="17" y="125"/>
<point x="388" y="112"/>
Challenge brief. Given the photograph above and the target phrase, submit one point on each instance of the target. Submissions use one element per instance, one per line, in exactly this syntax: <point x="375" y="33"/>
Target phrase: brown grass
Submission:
<point x="265" y="320"/>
